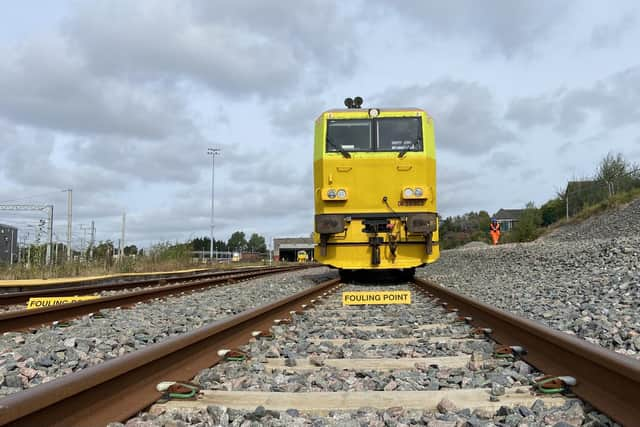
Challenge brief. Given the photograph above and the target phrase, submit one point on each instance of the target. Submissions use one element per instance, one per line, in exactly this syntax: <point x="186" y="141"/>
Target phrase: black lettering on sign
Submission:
<point x="411" y="202"/>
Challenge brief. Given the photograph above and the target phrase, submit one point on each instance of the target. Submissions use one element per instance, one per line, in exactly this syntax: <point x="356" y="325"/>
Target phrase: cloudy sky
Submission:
<point x="119" y="101"/>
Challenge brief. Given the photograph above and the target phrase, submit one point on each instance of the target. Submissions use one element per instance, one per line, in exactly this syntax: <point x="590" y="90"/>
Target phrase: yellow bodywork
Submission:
<point x="302" y="256"/>
<point x="373" y="184"/>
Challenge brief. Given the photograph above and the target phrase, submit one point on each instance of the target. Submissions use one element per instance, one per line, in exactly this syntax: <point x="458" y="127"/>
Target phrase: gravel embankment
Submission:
<point x="621" y="222"/>
<point x="294" y="343"/>
<point x="582" y="279"/>
<point x="29" y="359"/>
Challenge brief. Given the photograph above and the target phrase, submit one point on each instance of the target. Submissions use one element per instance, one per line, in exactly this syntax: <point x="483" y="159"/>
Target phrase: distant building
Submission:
<point x="507" y="218"/>
<point x="8" y="244"/>
<point x="286" y="248"/>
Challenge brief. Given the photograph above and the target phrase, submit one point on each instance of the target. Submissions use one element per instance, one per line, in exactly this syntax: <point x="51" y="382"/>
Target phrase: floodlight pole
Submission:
<point x="50" y="233"/>
<point x="69" y="219"/>
<point x="213" y="152"/>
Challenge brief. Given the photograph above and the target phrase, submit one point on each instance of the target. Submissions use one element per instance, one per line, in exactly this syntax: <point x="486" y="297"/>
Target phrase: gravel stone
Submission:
<point x="581" y="279"/>
<point x="89" y="340"/>
<point x="292" y="412"/>
<point x="13" y="381"/>
<point x="497" y="389"/>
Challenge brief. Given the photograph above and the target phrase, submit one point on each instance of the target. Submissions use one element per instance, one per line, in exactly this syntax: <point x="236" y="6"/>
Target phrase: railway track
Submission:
<point x="311" y="355"/>
<point x="22" y="296"/>
<point x="21" y="319"/>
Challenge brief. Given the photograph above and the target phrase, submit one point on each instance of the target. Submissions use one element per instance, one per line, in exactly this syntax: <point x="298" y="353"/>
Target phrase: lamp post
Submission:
<point x="213" y="152"/>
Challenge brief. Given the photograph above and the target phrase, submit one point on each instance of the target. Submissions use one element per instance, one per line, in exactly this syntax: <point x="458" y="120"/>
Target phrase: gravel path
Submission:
<point x="294" y="342"/>
<point x="573" y="280"/>
<point x="29" y="359"/>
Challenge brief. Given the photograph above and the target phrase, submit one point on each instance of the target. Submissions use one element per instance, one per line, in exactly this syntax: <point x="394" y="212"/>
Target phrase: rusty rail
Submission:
<point x="24" y="319"/>
<point x="607" y="380"/>
<point x="21" y="297"/>
<point x="117" y="389"/>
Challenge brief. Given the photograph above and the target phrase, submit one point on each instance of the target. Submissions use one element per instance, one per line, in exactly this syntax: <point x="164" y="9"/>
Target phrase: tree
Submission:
<point x="256" y="243"/>
<point x="526" y="229"/>
<point x="103" y="250"/>
<point x="131" y="250"/>
<point x="617" y="174"/>
<point x="458" y="230"/>
<point x="166" y="251"/>
<point x="219" y="245"/>
<point x="237" y="242"/>
<point x="552" y="211"/>
<point x="200" y="244"/>
<point x="203" y="244"/>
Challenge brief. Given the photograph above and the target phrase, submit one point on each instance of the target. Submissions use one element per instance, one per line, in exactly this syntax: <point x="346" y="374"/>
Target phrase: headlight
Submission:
<point x="408" y="192"/>
<point x="373" y="113"/>
<point x="331" y="193"/>
<point x="342" y="194"/>
<point x="419" y="192"/>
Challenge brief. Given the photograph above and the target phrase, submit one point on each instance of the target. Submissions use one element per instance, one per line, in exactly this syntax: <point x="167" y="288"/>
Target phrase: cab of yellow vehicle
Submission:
<point x="303" y="256"/>
<point x="375" y="188"/>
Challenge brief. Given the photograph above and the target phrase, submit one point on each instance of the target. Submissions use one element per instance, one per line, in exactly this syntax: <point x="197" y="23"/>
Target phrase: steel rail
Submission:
<point x="117" y="389"/>
<point x="25" y="319"/>
<point x="607" y="380"/>
<point x="13" y="298"/>
<point x="106" y="279"/>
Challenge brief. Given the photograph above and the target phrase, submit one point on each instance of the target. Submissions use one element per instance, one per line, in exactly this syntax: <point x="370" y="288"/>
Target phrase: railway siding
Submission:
<point x="29" y="359"/>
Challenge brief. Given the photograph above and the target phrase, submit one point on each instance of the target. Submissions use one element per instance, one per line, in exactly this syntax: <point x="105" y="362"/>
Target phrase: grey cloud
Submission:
<point x="284" y="164"/>
<point x="615" y="101"/>
<point x="116" y="67"/>
<point x="269" y="202"/>
<point x="565" y="148"/>
<point x="8" y="134"/>
<point x="503" y="160"/>
<point x="530" y="173"/>
<point x="452" y="203"/>
<point x="297" y="117"/>
<point x="40" y="160"/>
<point x="90" y="179"/>
<point x="609" y="34"/>
<point x="236" y="48"/>
<point x="88" y="205"/>
<point x="236" y="209"/>
<point x="44" y="84"/>
<point x="167" y="160"/>
<point x="453" y="176"/>
<point x="464" y="114"/>
<point x="29" y="164"/>
<point x="530" y="112"/>
<point x="509" y="27"/>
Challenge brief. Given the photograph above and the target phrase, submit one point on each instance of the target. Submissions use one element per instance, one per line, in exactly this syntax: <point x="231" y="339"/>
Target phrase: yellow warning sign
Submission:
<point x="41" y="302"/>
<point x="376" y="297"/>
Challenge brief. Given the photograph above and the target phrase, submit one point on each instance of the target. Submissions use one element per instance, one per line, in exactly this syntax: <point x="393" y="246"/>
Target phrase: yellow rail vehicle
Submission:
<point x="303" y="256"/>
<point x="375" y="189"/>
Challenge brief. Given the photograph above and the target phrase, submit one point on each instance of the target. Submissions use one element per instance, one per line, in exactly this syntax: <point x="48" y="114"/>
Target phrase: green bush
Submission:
<point x="526" y="229"/>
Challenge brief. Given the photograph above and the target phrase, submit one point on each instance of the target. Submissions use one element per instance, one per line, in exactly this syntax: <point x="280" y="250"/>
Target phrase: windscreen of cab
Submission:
<point x="395" y="134"/>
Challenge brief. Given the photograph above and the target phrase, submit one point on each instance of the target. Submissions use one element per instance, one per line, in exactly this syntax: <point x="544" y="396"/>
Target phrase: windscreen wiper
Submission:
<point x="402" y="153"/>
<point x="342" y="151"/>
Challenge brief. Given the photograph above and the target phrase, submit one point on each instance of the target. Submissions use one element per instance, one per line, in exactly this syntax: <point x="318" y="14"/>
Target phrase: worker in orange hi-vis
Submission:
<point x="494" y="230"/>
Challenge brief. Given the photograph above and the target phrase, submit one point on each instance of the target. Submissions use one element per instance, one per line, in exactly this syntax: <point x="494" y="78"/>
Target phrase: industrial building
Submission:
<point x="8" y="244"/>
<point x="286" y="248"/>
